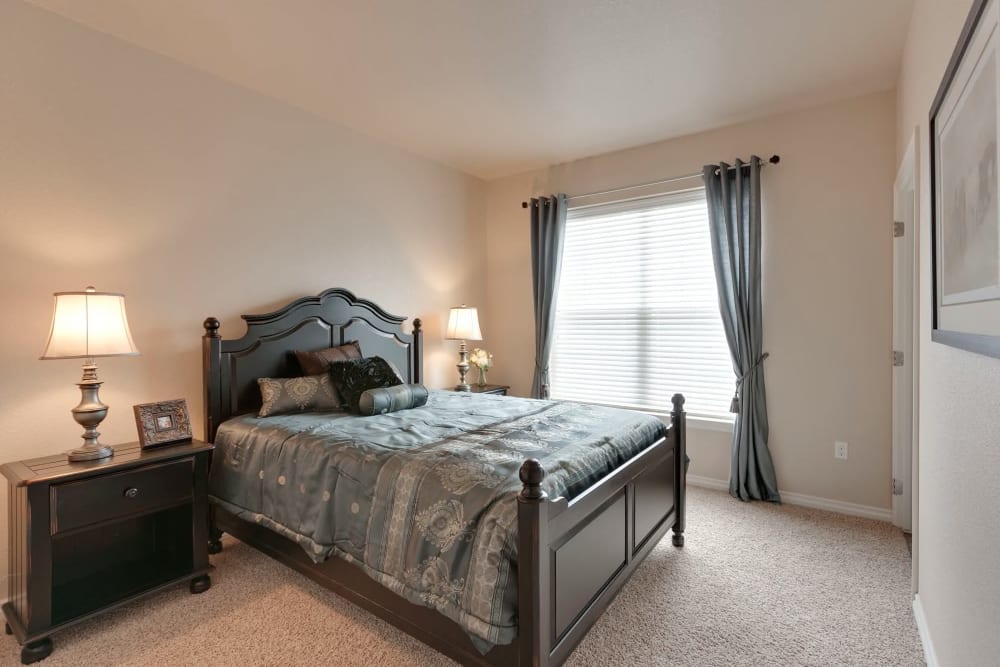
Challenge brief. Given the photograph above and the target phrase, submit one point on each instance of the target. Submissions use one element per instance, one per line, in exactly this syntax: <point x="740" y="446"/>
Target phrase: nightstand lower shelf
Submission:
<point x="85" y="578"/>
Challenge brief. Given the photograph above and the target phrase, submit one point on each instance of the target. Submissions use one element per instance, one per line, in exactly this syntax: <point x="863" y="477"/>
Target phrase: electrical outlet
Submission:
<point x="840" y="450"/>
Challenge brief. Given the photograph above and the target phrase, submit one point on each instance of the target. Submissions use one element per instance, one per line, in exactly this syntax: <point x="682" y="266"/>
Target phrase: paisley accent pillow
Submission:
<point x="318" y="361"/>
<point x="312" y="393"/>
<point x="353" y="378"/>
<point x="391" y="399"/>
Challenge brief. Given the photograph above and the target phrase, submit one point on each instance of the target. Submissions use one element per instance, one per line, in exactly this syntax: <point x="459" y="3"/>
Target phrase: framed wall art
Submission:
<point x="162" y="423"/>
<point x="965" y="211"/>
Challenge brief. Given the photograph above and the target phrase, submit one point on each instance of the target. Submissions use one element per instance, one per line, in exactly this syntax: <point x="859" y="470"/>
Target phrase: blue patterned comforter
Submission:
<point x="423" y="500"/>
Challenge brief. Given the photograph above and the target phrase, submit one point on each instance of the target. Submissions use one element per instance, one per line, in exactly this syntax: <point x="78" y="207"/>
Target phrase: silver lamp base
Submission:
<point x="89" y="413"/>
<point x="463" y="368"/>
<point x="86" y="453"/>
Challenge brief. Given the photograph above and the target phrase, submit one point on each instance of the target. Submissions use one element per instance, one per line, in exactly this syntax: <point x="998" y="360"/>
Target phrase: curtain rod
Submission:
<point x="774" y="159"/>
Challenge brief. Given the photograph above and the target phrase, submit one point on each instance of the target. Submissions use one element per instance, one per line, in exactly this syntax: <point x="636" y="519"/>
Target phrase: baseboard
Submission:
<point x="925" y="636"/>
<point x="707" y="483"/>
<point x="803" y="500"/>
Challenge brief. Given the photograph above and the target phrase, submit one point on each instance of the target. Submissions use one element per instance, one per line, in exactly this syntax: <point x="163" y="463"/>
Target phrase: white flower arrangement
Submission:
<point x="481" y="359"/>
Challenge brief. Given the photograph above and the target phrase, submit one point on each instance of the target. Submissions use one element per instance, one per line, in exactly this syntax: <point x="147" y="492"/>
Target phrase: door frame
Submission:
<point x="905" y="338"/>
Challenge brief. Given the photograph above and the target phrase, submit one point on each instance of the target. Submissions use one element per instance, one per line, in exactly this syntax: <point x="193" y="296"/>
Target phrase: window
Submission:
<point x="637" y="316"/>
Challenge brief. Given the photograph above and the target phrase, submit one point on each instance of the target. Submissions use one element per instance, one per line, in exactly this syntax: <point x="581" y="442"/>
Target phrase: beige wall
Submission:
<point x="128" y="171"/>
<point x="826" y="285"/>
<point x="958" y="534"/>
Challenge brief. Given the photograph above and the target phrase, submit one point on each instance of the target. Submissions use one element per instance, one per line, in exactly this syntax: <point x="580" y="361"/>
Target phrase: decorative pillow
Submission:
<point x="352" y="378"/>
<point x="312" y="393"/>
<point x="318" y="361"/>
<point x="395" y="369"/>
<point x="390" y="399"/>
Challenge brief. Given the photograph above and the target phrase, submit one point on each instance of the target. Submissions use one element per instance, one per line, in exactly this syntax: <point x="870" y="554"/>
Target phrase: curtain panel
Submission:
<point x="734" y="211"/>
<point x="548" y="232"/>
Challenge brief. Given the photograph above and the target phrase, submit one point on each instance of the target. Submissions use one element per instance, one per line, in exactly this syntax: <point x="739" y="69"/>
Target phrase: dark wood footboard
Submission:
<point x="574" y="556"/>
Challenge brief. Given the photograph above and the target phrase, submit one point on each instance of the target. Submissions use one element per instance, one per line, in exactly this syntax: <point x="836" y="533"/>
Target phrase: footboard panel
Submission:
<point x="653" y="495"/>
<point x="587" y="561"/>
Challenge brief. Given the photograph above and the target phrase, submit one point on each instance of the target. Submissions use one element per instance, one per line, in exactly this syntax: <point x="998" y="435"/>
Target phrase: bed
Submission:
<point x="573" y="549"/>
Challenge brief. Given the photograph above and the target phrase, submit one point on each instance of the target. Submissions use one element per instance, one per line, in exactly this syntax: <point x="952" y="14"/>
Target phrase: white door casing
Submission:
<point x="904" y="330"/>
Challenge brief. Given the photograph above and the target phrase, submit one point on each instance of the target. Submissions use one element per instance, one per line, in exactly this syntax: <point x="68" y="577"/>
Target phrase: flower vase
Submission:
<point x="482" y="377"/>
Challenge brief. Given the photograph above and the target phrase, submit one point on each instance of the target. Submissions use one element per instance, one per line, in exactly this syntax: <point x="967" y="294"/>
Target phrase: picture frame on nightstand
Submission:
<point x="162" y="423"/>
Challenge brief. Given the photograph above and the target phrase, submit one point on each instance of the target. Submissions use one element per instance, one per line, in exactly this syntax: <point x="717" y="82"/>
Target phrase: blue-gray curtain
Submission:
<point x="733" y="194"/>
<point x="548" y="230"/>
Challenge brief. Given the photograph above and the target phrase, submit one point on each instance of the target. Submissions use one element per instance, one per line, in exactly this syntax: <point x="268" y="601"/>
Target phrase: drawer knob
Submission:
<point x="131" y="492"/>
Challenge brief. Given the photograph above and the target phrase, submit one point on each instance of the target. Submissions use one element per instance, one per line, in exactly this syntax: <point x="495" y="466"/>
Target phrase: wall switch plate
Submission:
<point x="840" y="450"/>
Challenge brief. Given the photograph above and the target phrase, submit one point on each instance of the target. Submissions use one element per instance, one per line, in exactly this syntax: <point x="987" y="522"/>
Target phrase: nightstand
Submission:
<point x="87" y="537"/>
<point x="499" y="389"/>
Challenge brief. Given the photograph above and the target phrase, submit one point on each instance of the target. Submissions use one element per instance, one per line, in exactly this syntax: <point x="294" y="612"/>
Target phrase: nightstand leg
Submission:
<point x="201" y="584"/>
<point x="36" y="650"/>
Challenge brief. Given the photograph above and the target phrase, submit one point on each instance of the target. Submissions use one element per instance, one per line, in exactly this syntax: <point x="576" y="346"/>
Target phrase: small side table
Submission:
<point x="89" y="536"/>
<point x="498" y="389"/>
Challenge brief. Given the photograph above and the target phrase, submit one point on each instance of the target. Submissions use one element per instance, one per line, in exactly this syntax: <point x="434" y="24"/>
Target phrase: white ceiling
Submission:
<point x="493" y="87"/>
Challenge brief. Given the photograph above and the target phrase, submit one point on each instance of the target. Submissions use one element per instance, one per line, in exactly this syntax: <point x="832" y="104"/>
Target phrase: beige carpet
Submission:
<point x="755" y="585"/>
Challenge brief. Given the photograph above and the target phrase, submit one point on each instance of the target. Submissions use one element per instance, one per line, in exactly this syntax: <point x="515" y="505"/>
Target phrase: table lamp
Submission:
<point x="86" y="325"/>
<point x="463" y="325"/>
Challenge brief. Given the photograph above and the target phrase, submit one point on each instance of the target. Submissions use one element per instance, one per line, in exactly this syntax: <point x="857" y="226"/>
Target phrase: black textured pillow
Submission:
<point x="352" y="378"/>
<point x="313" y="393"/>
<point x="314" y="362"/>
<point x="391" y="399"/>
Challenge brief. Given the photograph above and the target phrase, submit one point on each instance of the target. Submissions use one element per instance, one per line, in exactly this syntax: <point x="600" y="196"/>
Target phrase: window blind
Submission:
<point x="637" y="315"/>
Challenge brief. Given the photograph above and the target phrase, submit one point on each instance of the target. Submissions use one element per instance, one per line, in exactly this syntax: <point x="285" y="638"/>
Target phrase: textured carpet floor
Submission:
<point x="755" y="585"/>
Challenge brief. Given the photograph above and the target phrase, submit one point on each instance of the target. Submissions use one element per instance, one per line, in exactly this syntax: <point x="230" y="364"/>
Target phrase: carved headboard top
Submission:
<point x="231" y="366"/>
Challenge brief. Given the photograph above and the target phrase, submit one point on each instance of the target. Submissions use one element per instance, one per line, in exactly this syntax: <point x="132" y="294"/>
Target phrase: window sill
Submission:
<point x="709" y="424"/>
<point x="700" y="423"/>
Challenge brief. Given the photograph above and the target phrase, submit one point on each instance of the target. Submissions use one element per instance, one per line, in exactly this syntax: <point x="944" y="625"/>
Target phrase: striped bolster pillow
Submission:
<point x="390" y="399"/>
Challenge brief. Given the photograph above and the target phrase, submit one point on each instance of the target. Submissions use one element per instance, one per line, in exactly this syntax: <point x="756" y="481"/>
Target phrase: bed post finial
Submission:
<point x="531" y="475"/>
<point x="418" y="324"/>
<point x="211" y="327"/>
<point x="678" y="401"/>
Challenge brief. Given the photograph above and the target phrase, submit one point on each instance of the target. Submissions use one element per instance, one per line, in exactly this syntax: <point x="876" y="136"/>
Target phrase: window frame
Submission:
<point x="723" y="422"/>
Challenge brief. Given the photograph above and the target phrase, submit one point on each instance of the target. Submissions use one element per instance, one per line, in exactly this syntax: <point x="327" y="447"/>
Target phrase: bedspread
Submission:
<point x="423" y="500"/>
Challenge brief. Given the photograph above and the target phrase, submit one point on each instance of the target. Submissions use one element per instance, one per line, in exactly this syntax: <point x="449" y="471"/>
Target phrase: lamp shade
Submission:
<point x="89" y="324"/>
<point x="463" y="324"/>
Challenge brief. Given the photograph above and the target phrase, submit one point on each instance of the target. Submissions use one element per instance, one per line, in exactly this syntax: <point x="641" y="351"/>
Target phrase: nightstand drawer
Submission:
<point x="99" y="499"/>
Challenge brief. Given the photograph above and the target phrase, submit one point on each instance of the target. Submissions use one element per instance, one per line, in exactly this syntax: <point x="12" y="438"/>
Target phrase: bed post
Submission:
<point x="418" y="351"/>
<point x="533" y="586"/>
<point x="678" y="425"/>
<point x="211" y="348"/>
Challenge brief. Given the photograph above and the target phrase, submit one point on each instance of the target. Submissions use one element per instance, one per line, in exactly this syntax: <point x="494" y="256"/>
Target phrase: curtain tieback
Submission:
<point x="734" y="406"/>
<point x="543" y="376"/>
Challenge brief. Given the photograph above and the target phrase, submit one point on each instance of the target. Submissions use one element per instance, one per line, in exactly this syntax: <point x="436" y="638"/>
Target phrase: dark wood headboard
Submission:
<point x="231" y="367"/>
